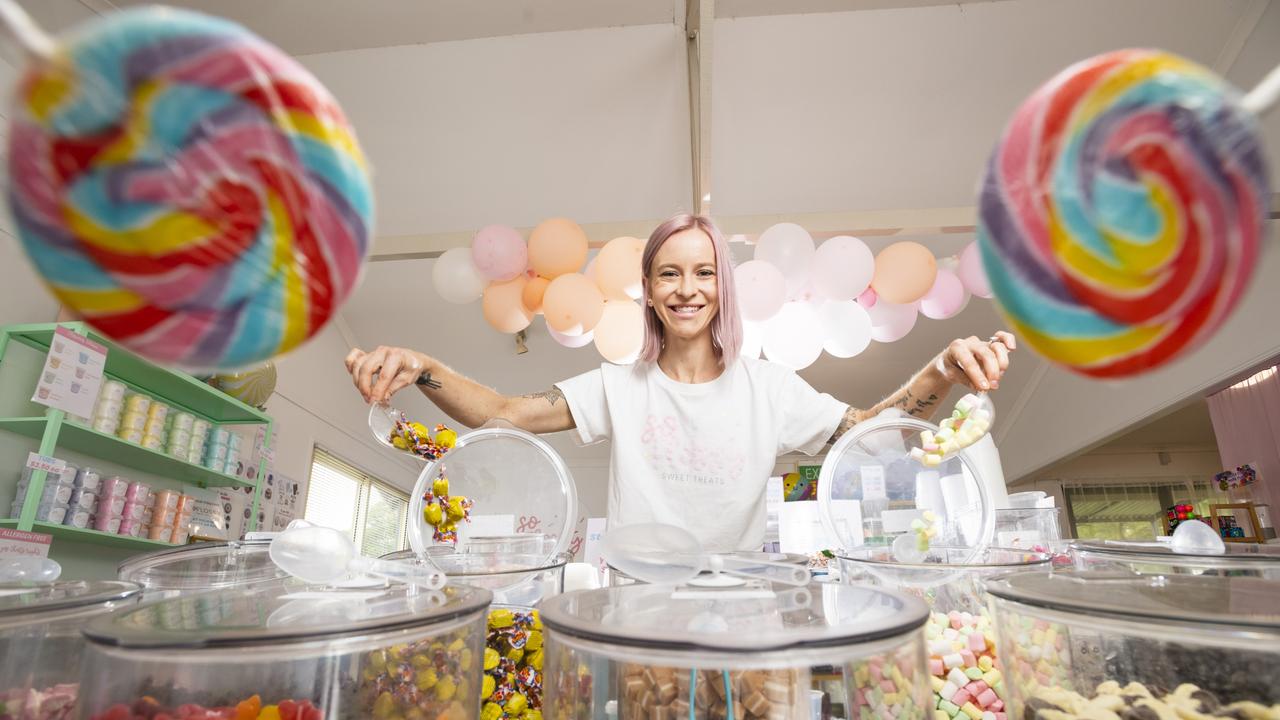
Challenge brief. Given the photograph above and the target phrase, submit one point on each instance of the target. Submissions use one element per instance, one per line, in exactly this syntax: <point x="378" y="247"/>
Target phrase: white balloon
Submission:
<point x="752" y="339"/>
<point x="842" y="268"/>
<point x="789" y="248"/>
<point x="846" y="328"/>
<point x="456" y="278"/>
<point x="890" y="322"/>
<point x="571" y="341"/>
<point x="793" y="337"/>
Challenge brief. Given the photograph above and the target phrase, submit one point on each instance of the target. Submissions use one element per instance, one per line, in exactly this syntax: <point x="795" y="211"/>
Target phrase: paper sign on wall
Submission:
<point x="72" y="374"/>
<point x="18" y="543"/>
<point x="872" y="481"/>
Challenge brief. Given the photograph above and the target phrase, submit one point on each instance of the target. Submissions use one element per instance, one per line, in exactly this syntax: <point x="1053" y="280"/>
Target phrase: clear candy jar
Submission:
<point x="1093" y="644"/>
<point x="41" y="646"/>
<point x="1157" y="558"/>
<point x="290" y="652"/>
<point x="960" y="635"/>
<point x="202" y="566"/>
<point x="747" y="651"/>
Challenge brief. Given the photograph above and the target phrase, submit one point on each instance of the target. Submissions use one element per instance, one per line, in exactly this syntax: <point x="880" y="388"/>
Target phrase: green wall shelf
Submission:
<point x="97" y="537"/>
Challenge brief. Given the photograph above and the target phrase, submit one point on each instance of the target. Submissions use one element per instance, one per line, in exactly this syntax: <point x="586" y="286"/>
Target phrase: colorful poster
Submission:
<point x="72" y="374"/>
<point x="802" y="484"/>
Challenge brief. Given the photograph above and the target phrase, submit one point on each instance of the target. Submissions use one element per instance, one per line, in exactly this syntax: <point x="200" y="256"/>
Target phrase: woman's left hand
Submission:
<point x="978" y="364"/>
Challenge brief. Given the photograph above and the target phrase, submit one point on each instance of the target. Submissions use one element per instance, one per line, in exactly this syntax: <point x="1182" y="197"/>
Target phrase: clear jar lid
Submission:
<point x="1237" y="555"/>
<point x="282" y="614"/>
<point x="747" y="620"/>
<point x="517" y="484"/>
<point x="203" y="566"/>
<point x="872" y="492"/>
<point x="1190" y="600"/>
<point x="28" y="602"/>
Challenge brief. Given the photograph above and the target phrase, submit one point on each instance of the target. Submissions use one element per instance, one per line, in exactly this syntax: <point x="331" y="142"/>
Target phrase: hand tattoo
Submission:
<point x="552" y="396"/>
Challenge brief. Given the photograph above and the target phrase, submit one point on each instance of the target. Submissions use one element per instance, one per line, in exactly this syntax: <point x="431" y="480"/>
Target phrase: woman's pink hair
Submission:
<point x="726" y="326"/>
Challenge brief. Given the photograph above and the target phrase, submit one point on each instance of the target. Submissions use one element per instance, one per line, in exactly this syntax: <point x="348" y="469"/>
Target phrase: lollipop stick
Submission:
<point x="25" y="32"/>
<point x="1263" y="97"/>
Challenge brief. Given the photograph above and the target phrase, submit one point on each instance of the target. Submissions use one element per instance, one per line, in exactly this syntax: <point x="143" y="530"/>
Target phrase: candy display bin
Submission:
<point x="290" y="652"/>
<point x="1156" y="558"/>
<point x="201" y="567"/>
<point x="745" y="651"/>
<point x="513" y="637"/>
<point x="1093" y="644"/>
<point x="961" y="637"/>
<point x="41" y="645"/>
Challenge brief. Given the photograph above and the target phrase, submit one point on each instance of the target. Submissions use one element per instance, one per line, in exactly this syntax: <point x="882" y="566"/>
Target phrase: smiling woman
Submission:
<point x="696" y="429"/>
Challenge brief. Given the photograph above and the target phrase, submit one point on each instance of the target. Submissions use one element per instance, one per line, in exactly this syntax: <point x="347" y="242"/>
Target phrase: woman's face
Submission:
<point x="682" y="284"/>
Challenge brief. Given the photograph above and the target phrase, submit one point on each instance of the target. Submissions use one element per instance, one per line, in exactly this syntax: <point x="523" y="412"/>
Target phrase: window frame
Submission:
<point x="366" y="482"/>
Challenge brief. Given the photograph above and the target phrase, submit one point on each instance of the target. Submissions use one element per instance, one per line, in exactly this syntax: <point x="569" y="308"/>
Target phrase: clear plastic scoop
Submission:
<point x="324" y="555"/>
<point x="666" y="554"/>
<point x="969" y="422"/>
<point x="1195" y="537"/>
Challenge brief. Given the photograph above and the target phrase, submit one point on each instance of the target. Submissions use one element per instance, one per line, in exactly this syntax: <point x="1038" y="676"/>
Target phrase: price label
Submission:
<point x="51" y="465"/>
<point x="873" y="486"/>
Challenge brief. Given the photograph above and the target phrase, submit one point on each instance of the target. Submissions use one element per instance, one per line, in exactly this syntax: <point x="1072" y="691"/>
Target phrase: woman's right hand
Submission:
<point x="383" y="372"/>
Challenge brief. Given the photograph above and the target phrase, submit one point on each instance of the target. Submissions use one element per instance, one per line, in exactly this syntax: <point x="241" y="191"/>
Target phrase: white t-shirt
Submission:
<point x="699" y="455"/>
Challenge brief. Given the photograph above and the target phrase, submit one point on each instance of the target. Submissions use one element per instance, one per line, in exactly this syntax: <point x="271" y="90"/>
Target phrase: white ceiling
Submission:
<point x="819" y="106"/>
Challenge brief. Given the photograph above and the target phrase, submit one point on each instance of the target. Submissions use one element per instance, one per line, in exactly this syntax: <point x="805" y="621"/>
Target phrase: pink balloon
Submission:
<point x="946" y="298"/>
<point x="868" y="298"/>
<point x="761" y="290"/>
<point x="571" y="341"/>
<point x="499" y="252"/>
<point x="842" y="268"/>
<point x="890" y="322"/>
<point x="972" y="273"/>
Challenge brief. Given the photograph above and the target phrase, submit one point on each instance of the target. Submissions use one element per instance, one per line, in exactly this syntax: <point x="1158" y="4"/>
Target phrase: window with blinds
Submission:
<point x="1132" y="511"/>
<point x="342" y="496"/>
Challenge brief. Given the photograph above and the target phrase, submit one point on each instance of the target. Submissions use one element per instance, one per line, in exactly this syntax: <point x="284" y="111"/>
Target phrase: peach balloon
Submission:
<point x="533" y="292"/>
<point x="557" y="247"/>
<point x="503" y="308"/>
<point x="618" y="268"/>
<point x="620" y="332"/>
<point x="572" y="304"/>
<point x="905" y="272"/>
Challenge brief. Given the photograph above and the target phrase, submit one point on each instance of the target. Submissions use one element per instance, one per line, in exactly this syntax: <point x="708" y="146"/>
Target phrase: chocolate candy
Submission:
<point x="1135" y="701"/>
<point x="678" y="693"/>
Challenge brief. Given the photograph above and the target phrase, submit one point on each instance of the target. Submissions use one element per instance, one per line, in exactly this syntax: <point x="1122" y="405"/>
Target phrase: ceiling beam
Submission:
<point x="1245" y="24"/>
<point x="699" y="22"/>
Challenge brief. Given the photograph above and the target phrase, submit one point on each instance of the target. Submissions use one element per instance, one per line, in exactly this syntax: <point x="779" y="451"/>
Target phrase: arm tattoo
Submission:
<point x="912" y="405"/>
<point x="552" y="396"/>
<point x="846" y="423"/>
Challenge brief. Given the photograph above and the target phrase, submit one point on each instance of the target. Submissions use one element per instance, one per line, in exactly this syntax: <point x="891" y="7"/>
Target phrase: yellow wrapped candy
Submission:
<point x="491" y="711"/>
<point x="535" y="660"/>
<point x="426" y="679"/>
<point x="445" y="689"/>
<point x="487" y="687"/>
<point x="440" y="486"/>
<point x="501" y="618"/>
<point x="433" y="515"/>
<point x="531" y="714"/>
<point x="456" y="511"/>
<point x="445" y="437"/>
<point x="515" y="654"/>
<point x="491" y="658"/>
<point x="400" y="443"/>
<point x="534" y="642"/>
<point x="420" y="430"/>
<point x="516" y="704"/>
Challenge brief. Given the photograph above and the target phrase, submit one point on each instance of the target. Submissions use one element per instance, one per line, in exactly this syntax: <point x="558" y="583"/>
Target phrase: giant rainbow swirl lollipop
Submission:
<point x="1122" y="211"/>
<point x="185" y="187"/>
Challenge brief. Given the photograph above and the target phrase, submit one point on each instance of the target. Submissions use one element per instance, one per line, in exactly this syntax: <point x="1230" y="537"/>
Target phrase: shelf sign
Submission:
<point x="51" y="465"/>
<point x="72" y="374"/>
<point x="18" y="543"/>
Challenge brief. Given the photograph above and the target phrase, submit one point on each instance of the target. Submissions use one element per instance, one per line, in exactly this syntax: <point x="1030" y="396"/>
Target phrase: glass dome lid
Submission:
<point x="512" y="483"/>
<point x="873" y="491"/>
<point x="204" y="566"/>
<point x="26" y="601"/>
<point x="1236" y="555"/>
<point x="750" y="620"/>
<point x="282" y="614"/>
